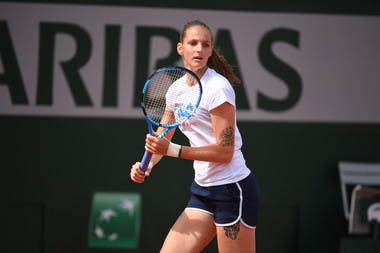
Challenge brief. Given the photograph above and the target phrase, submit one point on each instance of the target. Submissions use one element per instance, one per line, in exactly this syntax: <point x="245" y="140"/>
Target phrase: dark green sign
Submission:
<point x="115" y="220"/>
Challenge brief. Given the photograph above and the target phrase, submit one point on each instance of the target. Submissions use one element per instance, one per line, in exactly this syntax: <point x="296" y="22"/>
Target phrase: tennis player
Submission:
<point x="224" y="201"/>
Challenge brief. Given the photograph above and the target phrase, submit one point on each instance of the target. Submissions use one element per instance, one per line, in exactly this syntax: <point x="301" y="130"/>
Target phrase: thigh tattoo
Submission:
<point x="232" y="231"/>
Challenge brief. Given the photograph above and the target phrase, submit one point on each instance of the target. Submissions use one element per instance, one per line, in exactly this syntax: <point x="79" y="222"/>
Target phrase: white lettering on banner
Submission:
<point x="90" y="61"/>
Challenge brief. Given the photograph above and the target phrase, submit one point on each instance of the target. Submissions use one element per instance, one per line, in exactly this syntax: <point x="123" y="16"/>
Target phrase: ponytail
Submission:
<point x="221" y="65"/>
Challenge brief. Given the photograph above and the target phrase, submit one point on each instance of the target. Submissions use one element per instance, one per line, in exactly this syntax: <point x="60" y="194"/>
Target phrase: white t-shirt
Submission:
<point x="199" y="131"/>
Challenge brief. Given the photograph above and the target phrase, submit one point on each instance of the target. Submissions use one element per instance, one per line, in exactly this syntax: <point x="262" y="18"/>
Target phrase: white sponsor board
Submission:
<point x="336" y="60"/>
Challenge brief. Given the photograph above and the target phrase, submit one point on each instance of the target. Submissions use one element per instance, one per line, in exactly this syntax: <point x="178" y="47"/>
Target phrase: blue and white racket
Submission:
<point x="170" y="97"/>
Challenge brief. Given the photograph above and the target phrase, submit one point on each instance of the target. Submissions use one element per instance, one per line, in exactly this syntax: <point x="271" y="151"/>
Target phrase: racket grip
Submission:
<point x="145" y="161"/>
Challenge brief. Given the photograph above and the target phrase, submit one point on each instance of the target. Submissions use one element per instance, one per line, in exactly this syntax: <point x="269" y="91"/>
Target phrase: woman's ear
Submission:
<point x="179" y="48"/>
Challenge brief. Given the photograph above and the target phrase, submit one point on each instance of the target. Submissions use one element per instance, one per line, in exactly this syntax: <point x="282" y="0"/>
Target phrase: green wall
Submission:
<point x="50" y="168"/>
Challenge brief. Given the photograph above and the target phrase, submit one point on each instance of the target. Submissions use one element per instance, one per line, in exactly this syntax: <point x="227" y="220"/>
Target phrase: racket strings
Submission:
<point x="154" y="98"/>
<point x="171" y="97"/>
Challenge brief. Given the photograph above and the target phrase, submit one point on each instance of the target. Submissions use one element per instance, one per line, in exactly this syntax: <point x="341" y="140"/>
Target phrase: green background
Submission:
<point x="50" y="168"/>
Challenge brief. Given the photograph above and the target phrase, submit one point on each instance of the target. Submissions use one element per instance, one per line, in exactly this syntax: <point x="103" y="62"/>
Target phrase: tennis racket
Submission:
<point x="170" y="96"/>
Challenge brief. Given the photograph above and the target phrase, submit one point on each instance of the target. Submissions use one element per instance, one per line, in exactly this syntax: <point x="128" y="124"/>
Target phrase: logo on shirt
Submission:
<point x="183" y="111"/>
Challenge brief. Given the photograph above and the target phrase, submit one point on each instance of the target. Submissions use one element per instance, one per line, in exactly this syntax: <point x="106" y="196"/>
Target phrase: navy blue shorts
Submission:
<point x="228" y="203"/>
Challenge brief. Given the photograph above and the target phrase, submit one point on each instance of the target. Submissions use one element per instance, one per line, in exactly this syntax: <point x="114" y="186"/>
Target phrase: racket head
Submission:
<point x="170" y="96"/>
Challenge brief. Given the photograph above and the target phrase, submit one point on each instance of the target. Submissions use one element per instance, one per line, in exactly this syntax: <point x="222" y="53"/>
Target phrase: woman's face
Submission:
<point x="196" y="48"/>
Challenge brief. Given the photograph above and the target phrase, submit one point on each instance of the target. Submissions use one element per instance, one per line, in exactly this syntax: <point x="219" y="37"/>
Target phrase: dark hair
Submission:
<point x="216" y="60"/>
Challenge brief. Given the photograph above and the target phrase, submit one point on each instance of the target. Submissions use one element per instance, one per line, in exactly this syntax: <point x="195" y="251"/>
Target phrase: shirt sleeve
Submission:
<point x="221" y="92"/>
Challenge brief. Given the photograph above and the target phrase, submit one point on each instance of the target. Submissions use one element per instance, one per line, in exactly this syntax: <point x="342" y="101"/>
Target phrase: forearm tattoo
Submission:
<point x="227" y="136"/>
<point x="232" y="231"/>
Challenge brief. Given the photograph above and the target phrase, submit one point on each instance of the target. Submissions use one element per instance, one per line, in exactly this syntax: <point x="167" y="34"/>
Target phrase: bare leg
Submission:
<point x="191" y="233"/>
<point x="236" y="238"/>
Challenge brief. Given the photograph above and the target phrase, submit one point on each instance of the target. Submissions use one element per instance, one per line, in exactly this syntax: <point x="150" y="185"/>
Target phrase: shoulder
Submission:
<point x="217" y="89"/>
<point x="214" y="80"/>
<point x="212" y="75"/>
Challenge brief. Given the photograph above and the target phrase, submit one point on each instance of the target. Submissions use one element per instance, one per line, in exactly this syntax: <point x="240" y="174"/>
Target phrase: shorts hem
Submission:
<point x="227" y="224"/>
<point x="246" y="225"/>
<point x="233" y="223"/>
<point x="199" y="209"/>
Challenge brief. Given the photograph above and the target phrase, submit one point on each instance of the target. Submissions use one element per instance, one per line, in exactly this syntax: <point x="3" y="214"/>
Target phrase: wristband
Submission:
<point x="173" y="150"/>
<point x="180" y="152"/>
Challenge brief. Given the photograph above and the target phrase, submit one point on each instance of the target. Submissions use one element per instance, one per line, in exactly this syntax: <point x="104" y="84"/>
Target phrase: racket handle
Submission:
<point x="145" y="161"/>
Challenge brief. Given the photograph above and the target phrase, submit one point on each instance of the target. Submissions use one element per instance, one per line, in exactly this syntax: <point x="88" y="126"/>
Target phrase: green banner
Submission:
<point x="115" y="220"/>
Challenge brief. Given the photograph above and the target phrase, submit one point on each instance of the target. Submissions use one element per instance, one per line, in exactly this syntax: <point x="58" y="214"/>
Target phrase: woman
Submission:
<point x="224" y="201"/>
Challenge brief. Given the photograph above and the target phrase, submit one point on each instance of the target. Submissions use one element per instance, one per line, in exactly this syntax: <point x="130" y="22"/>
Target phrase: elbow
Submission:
<point x="226" y="156"/>
<point x="225" y="160"/>
<point x="228" y="159"/>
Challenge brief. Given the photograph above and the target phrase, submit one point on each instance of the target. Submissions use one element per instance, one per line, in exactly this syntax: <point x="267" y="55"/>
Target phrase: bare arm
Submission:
<point x="223" y="122"/>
